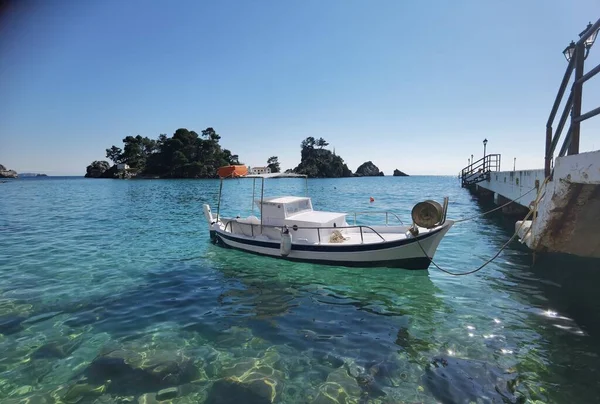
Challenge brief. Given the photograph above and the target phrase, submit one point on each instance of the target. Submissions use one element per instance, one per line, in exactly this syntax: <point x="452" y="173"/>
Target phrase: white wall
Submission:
<point x="513" y="184"/>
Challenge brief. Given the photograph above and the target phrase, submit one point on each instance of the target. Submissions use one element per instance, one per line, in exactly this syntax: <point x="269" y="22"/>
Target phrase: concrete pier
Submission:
<point x="567" y="216"/>
<point x="564" y="199"/>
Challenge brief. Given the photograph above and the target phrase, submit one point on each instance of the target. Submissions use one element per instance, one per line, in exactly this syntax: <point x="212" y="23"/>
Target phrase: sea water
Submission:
<point x="111" y="292"/>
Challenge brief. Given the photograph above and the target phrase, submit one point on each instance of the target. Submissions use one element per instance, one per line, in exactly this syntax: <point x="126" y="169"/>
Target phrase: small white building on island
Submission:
<point x="122" y="166"/>
<point x="260" y="170"/>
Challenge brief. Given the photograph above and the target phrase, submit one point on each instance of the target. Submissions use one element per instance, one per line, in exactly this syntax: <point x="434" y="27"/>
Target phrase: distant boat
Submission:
<point x="289" y="228"/>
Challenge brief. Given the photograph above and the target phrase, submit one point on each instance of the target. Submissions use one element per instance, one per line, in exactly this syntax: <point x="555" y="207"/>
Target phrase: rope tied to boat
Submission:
<point x="532" y="211"/>
<point x="495" y="209"/>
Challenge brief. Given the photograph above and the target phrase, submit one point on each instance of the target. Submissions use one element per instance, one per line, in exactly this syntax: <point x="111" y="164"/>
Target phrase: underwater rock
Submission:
<point x="413" y="346"/>
<point x="353" y="369"/>
<point x="455" y="380"/>
<point x="339" y="387"/>
<point x="328" y="359"/>
<point x="105" y="399"/>
<point x="33" y="399"/>
<point x="233" y="337"/>
<point x="167" y="394"/>
<point x="341" y="377"/>
<point x="333" y="393"/>
<point x="370" y="385"/>
<point x="239" y="369"/>
<point x="132" y="372"/>
<point x="228" y="391"/>
<point x="148" y="398"/>
<point x="56" y="349"/>
<point x="80" y="390"/>
<point x="11" y="324"/>
<point x="387" y="372"/>
<point x="257" y="375"/>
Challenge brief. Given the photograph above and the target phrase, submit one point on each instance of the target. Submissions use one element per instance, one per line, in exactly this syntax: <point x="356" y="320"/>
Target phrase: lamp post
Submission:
<point x="484" y="146"/>
<point x="570" y="50"/>
<point x="579" y="51"/>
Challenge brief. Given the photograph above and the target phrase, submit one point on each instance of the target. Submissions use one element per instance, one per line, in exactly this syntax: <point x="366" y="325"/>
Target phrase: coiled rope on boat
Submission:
<point x="532" y="211"/>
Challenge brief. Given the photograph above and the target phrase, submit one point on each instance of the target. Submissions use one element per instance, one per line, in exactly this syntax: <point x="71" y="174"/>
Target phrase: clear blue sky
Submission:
<point x="408" y="85"/>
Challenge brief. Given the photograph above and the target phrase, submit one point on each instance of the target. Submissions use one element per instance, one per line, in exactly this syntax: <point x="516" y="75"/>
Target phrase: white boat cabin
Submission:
<point x="294" y="212"/>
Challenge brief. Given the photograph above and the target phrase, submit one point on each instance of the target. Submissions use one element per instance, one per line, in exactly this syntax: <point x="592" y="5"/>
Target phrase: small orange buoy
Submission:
<point x="372" y="199"/>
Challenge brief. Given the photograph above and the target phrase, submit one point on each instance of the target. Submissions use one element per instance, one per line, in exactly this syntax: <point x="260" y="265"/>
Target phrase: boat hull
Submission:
<point x="405" y="253"/>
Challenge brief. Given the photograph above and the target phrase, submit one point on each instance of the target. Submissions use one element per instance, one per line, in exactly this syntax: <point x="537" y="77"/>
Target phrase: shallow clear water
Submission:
<point x="111" y="292"/>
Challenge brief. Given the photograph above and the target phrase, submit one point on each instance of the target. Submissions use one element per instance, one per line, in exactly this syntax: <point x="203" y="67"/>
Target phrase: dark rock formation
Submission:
<point x="101" y="169"/>
<point x="228" y="391"/>
<point x="133" y="372"/>
<point x="368" y="169"/>
<point x="454" y="380"/>
<point x="6" y="173"/>
<point x="56" y="349"/>
<point x="11" y="324"/>
<point x="97" y="169"/>
<point x="317" y="162"/>
<point x="398" y="173"/>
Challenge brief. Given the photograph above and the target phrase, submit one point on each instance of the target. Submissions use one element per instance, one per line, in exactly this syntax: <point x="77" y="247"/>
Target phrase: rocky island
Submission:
<point x="317" y="162"/>
<point x="6" y="173"/>
<point x="368" y="169"/>
<point x="398" y="173"/>
<point x="188" y="154"/>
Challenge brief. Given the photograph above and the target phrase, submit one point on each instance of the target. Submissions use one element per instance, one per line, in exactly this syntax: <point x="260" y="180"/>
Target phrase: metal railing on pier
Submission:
<point x="576" y="53"/>
<point x="480" y="170"/>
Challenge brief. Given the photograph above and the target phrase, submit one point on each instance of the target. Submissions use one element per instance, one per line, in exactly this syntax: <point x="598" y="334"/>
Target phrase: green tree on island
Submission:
<point x="184" y="155"/>
<point x="188" y="154"/>
<point x="273" y="164"/>
<point x="115" y="154"/>
<point x="320" y="143"/>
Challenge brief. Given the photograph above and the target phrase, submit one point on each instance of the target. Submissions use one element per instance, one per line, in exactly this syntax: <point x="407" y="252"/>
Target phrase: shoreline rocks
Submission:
<point x="97" y="169"/>
<point x="6" y="173"/>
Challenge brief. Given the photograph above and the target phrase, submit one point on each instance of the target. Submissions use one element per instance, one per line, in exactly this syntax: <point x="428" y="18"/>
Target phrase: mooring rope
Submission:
<point x="532" y="210"/>
<point x="495" y="209"/>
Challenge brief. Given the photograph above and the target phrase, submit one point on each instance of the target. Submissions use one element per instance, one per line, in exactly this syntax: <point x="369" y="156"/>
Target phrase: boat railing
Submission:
<point x="387" y="216"/>
<point x="318" y="229"/>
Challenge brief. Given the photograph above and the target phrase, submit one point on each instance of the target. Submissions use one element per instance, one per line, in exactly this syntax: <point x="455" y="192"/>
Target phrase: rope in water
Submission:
<point x="533" y="210"/>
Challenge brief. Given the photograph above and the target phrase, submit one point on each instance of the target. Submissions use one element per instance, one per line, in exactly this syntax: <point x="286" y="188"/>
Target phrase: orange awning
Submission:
<point x="232" y="171"/>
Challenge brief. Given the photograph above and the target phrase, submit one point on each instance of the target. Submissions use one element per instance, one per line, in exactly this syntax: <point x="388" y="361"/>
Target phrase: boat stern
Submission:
<point x="212" y="223"/>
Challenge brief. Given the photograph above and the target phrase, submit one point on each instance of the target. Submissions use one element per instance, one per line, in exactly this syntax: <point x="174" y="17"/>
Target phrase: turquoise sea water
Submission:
<point x="110" y="292"/>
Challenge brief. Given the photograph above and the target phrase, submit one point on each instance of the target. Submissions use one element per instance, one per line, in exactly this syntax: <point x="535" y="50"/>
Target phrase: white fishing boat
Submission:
<point x="289" y="228"/>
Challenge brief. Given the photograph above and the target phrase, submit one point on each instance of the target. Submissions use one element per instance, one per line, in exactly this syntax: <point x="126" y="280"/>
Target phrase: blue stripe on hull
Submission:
<point x="328" y="248"/>
<point x="405" y="263"/>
